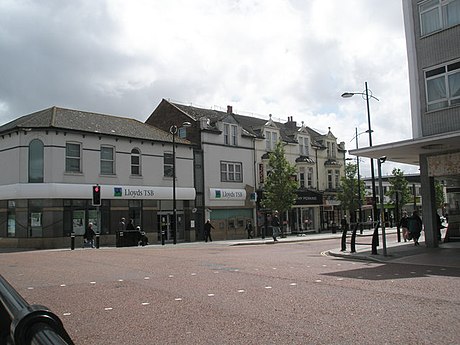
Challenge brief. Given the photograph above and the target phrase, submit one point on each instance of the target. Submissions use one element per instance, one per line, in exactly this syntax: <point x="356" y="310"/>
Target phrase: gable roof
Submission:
<point x="82" y="121"/>
<point x="252" y="125"/>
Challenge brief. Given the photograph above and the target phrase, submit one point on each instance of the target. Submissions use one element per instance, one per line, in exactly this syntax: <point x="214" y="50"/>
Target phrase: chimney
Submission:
<point x="291" y="123"/>
<point x="229" y="109"/>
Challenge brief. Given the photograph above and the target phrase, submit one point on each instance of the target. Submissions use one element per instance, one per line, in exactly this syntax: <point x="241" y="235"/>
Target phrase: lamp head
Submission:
<point x="382" y="159"/>
<point x="347" y="94"/>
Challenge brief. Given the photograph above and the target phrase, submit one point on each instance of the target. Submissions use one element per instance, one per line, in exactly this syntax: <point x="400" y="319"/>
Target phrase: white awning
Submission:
<point x="84" y="191"/>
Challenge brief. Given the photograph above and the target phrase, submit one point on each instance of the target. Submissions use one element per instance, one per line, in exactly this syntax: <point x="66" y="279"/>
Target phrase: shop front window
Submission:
<point x="36" y="218"/>
<point x="11" y="218"/>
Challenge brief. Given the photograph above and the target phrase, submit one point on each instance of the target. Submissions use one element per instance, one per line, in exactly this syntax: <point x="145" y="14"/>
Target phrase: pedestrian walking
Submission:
<point x="344" y="223"/>
<point x="414" y="224"/>
<point x="88" y="236"/>
<point x="403" y="224"/>
<point x="439" y="226"/>
<point x="249" y="229"/>
<point x="275" y="226"/>
<point x="207" y="231"/>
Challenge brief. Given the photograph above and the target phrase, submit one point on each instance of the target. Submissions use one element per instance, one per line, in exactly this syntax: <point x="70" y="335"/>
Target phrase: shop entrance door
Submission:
<point x="165" y="225"/>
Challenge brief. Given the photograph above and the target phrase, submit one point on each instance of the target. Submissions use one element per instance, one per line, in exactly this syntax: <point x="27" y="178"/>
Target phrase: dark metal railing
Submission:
<point x="25" y="324"/>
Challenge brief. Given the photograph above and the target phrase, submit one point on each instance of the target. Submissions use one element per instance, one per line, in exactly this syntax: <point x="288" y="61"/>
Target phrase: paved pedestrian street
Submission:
<point x="213" y="293"/>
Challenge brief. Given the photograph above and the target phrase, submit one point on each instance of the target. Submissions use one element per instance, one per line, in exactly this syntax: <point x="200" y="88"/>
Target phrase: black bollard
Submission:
<point x="353" y="239"/>
<point x="344" y="239"/>
<point x="375" y="239"/>
<point x="72" y="241"/>
<point x="97" y="240"/>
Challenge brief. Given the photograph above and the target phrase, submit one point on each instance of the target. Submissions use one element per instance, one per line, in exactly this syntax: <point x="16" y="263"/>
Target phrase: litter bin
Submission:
<point x="127" y="238"/>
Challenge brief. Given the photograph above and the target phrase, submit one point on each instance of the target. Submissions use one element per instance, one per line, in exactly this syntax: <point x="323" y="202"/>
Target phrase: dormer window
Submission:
<point x="230" y="134"/>
<point x="331" y="150"/>
<point x="271" y="138"/>
<point x="303" y="146"/>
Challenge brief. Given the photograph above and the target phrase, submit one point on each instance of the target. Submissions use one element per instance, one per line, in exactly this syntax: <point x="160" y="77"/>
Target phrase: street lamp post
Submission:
<point x="173" y="130"/>
<point x="360" y="208"/>
<point x="380" y="161"/>
<point x="367" y="94"/>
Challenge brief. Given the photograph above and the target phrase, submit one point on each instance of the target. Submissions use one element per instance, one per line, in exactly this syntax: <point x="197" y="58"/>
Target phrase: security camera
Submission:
<point x="383" y="159"/>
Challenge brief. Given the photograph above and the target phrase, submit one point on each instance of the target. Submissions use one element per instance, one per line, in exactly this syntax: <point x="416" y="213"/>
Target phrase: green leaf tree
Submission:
<point x="281" y="185"/>
<point x="399" y="184"/>
<point x="348" y="193"/>
<point x="439" y="194"/>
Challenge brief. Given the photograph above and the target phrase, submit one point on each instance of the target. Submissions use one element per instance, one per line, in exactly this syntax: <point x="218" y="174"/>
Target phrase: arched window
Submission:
<point x="36" y="161"/>
<point x="135" y="162"/>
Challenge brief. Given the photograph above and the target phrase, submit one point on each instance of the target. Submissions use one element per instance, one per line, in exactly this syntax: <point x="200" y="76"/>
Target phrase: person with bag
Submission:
<point x="415" y="225"/>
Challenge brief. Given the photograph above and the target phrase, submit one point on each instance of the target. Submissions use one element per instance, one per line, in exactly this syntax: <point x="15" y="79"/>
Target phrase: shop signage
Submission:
<point x="133" y="193"/>
<point x="84" y="191"/>
<point x="308" y="197"/>
<point x="227" y="194"/>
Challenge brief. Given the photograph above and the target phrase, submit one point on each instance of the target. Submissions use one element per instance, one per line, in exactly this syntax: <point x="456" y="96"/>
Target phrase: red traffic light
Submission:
<point x="97" y="195"/>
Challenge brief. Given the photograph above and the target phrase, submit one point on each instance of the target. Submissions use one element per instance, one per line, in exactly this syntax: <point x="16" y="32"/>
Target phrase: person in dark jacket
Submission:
<point x="130" y="225"/>
<point x="275" y="226"/>
<point x="142" y="239"/>
<point x="439" y="226"/>
<point x="415" y="225"/>
<point x="207" y="231"/>
<point x="249" y="229"/>
<point x="88" y="237"/>
<point x="403" y="225"/>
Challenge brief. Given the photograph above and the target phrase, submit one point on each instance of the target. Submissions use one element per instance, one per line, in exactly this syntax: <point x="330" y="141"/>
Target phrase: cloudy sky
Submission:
<point x="281" y="57"/>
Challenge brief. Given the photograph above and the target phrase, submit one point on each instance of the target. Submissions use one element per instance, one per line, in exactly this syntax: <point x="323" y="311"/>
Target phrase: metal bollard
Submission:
<point x="375" y="239"/>
<point x="97" y="240"/>
<point x="353" y="240"/>
<point x="344" y="240"/>
<point x="162" y="237"/>
<point x="72" y="241"/>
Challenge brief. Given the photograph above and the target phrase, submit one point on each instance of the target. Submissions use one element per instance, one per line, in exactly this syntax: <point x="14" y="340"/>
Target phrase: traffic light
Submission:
<point x="97" y="195"/>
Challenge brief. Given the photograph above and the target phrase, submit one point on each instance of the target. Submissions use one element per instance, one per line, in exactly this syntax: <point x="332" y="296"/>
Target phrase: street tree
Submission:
<point x="398" y="190"/>
<point x="439" y="194"/>
<point x="348" y="194"/>
<point x="281" y="185"/>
